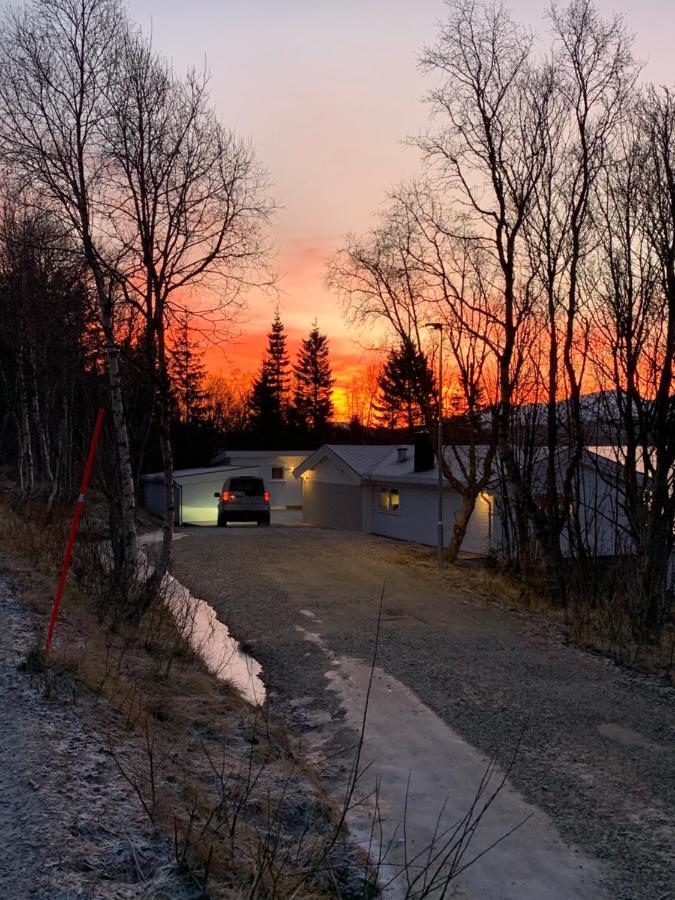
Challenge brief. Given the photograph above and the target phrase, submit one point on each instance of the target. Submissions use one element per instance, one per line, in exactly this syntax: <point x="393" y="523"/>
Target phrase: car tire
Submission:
<point x="222" y="521"/>
<point x="265" y="520"/>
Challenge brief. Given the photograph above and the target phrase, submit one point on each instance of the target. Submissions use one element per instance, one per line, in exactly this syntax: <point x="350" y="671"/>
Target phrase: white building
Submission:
<point x="275" y="467"/>
<point x="379" y="489"/>
<point x="195" y="488"/>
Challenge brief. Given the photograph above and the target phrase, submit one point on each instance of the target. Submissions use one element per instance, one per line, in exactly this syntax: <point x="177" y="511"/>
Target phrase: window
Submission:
<point x="277" y="473"/>
<point x="390" y="500"/>
<point x="249" y="487"/>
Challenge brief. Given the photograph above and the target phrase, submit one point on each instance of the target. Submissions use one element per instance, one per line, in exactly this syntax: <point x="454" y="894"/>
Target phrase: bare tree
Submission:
<point x="490" y="152"/>
<point x="58" y="62"/>
<point x="408" y="272"/>
<point x="227" y="400"/>
<point x="520" y="148"/>
<point x="634" y="354"/>
<point x="187" y="208"/>
<point x="45" y="375"/>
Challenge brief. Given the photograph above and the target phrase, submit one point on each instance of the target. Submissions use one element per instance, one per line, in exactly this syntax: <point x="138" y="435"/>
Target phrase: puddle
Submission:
<point x="211" y="639"/>
<point x="627" y="736"/>
<point x="426" y="778"/>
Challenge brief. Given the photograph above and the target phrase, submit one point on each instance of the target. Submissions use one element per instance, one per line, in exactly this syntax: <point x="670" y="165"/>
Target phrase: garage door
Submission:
<point x="332" y="505"/>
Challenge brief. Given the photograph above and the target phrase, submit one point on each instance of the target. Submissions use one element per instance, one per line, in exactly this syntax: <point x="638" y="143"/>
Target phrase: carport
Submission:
<point x="194" y="490"/>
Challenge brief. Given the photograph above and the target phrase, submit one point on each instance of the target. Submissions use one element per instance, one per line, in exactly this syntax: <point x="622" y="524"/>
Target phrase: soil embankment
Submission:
<point x="129" y="770"/>
<point x="70" y="825"/>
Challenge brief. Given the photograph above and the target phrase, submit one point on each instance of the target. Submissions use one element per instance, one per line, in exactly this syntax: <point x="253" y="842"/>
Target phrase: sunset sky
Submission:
<point x="327" y="90"/>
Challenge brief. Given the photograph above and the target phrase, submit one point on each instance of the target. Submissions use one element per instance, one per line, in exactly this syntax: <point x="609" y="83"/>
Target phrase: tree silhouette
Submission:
<point x="269" y="399"/>
<point x="312" y="404"/>
<point x="406" y="388"/>
<point x="188" y="375"/>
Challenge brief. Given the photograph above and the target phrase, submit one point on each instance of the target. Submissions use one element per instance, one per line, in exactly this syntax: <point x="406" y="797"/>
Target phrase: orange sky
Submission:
<point x="327" y="91"/>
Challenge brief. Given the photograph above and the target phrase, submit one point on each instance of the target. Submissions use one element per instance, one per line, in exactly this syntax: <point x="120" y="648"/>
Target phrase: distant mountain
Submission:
<point x="600" y="415"/>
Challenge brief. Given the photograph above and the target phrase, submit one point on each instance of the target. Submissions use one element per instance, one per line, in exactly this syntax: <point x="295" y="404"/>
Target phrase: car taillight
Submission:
<point x="226" y="496"/>
<point x="266" y="496"/>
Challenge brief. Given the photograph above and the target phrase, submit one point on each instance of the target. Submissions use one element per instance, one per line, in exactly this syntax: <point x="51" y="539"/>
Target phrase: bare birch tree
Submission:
<point x="187" y="208"/>
<point x="58" y="63"/>
<point x="634" y="353"/>
<point x="491" y="105"/>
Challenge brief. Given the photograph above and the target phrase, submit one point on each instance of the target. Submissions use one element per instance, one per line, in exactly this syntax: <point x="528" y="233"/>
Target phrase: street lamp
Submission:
<point x="438" y="326"/>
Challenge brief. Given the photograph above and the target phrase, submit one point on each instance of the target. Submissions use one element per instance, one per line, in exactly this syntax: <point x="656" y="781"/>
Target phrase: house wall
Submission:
<point x="417" y="517"/>
<point x="332" y="497"/>
<point x="603" y="522"/>
<point x="198" y="505"/>
<point x="153" y="499"/>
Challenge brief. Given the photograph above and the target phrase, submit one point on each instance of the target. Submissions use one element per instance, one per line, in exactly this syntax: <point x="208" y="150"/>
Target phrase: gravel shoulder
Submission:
<point x="70" y="826"/>
<point x="598" y="750"/>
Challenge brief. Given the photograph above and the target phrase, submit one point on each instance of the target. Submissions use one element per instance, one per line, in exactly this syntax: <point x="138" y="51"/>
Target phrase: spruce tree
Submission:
<point x="406" y="388"/>
<point x="269" y="399"/>
<point x="188" y="374"/>
<point x="312" y="403"/>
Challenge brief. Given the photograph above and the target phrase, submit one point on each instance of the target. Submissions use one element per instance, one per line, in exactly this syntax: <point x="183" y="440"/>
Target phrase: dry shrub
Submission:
<point x="603" y="614"/>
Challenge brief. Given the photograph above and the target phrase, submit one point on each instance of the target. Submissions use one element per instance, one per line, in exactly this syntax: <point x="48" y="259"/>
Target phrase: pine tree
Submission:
<point x="188" y="374"/>
<point x="269" y="399"/>
<point x="312" y="403"/>
<point x="406" y="388"/>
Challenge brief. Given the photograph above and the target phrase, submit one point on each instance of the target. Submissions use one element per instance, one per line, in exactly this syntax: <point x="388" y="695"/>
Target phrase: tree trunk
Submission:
<point x="129" y="541"/>
<point x="459" y="527"/>
<point x="164" y="557"/>
<point x="163" y="560"/>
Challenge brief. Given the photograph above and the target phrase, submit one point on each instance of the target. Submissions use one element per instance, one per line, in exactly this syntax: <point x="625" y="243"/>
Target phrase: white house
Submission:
<point x="194" y="488"/>
<point x="386" y="490"/>
<point x="389" y="490"/>
<point x="275" y="467"/>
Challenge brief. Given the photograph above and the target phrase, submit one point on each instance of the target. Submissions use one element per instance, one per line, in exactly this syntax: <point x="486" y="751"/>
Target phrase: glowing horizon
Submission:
<point x="327" y="93"/>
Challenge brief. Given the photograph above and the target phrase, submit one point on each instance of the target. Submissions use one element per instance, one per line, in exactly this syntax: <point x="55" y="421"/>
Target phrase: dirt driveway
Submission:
<point x="597" y="756"/>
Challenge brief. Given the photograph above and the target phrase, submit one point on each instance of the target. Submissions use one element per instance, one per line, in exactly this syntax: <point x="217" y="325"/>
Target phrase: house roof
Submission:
<point x="179" y="474"/>
<point x="359" y="458"/>
<point x="380" y="463"/>
<point x="256" y="454"/>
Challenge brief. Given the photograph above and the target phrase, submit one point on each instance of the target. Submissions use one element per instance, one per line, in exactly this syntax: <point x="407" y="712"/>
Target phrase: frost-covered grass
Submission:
<point x="215" y="776"/>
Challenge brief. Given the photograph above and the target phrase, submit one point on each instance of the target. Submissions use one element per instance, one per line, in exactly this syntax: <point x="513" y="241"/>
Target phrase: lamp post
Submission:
<point x="438" y="326"/>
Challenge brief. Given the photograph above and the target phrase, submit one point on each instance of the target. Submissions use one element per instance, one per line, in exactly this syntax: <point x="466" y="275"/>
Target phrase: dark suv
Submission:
<point x="243" y="499"/>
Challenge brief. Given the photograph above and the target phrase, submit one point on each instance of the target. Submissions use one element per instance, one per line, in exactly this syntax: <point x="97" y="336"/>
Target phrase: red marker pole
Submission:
<point x="73" y="528"/>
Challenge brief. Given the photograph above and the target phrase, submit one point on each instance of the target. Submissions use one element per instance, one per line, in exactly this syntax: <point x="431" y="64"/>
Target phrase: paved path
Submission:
<point x="596" y="762"/>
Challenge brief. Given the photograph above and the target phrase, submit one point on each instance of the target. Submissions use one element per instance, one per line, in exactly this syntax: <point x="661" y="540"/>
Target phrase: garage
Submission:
<point x="332" y="486"/>
<point x="194" y="490"/>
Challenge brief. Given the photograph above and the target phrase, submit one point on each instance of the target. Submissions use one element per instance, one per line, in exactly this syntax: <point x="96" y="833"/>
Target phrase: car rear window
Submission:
<point x="251" y="487"/>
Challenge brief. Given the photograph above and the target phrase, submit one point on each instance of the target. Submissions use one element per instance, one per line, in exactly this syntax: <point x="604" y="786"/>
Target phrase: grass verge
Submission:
<point x="216" y="776"/>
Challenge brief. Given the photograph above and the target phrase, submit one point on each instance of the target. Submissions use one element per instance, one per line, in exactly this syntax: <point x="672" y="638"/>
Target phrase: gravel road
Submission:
<point x="598" y="751"/>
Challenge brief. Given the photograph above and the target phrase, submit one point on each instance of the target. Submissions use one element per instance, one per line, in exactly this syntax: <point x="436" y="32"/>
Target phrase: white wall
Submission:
<point x="199" y="506"/>
<point x="417" y="517"/>
<point x="602" y="518"/>
<point x="284" y="492"/>
<point x="332" y="505"/>
<point x="603" y="522"/>
<point x="332" y="496"/>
